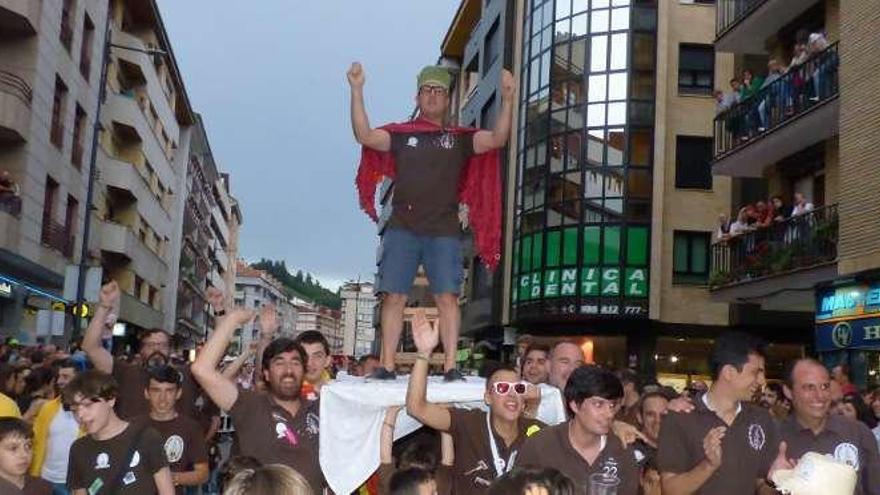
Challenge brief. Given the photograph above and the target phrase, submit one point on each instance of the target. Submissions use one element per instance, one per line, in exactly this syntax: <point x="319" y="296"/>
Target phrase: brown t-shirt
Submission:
<point x="552" y="448"/>
<point x="748" y="447"/>
<point x="183" y="442"/>
<point x="474" y="468"/>
<point x="850" y="442"/>
<point x="267" y="432"/>
<point x="32" y="486"/>
<point x="133" y="379"/>
<point x="95" y="465"/>
<point x="428" y="165"/>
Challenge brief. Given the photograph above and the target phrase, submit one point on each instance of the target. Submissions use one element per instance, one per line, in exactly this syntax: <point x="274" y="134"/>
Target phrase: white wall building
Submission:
<point x="358" y="318"/>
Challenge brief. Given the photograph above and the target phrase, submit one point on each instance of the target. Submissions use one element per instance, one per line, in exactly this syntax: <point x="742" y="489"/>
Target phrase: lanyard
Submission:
<point x="501" y="466"/>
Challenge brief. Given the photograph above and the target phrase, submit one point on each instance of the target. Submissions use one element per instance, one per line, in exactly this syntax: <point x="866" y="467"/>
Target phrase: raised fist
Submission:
<point x="356" y="75"/>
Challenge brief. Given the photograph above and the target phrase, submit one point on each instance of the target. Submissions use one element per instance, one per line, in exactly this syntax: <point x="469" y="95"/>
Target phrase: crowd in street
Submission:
<point x="83" y="421"/>
<point x="785" y="90"/>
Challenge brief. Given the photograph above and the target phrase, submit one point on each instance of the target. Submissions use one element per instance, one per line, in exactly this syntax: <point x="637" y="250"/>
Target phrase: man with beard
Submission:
<point x="182" y="437"/>
<point x="115" y="456"/>
<point x="810" y="428"/>
<point x="275" y="426"/>
<point x="133" y="379"/>
<point x="55" y="430"/>
<point x="583" y="446"/>
<point x="485" y="443"/>
<point x="649" y="413"/>
<point x="535" y="365"/>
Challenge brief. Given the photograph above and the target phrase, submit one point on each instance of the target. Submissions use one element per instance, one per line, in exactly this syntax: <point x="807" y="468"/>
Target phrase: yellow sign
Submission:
<point x="82" y="310"/>
<point x="59" y="306"/>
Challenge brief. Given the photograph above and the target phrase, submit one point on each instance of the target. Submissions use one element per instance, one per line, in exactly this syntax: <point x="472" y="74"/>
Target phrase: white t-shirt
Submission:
<point x="62" y="433"/>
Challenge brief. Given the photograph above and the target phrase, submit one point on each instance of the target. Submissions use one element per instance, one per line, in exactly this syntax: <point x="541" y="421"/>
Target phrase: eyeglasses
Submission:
<point x="433" y="90"/>
<point x="504" y="388"/>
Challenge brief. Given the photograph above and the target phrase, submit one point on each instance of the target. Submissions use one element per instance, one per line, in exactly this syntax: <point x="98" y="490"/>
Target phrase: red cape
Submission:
<point x="479" y="187"/>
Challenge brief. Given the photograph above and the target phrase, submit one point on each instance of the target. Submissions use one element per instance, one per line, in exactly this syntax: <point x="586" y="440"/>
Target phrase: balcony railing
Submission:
<point x="802" y="241"/>
<point x="728" y="13"/>
<point x="797" y="91"/>
<point x="57" y="237"/>
<point x="16" y="86"/>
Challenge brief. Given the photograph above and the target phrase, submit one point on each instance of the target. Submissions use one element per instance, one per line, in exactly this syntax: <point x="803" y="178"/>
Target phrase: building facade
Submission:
<point x="50" y="57"/>
<point x="310" y="316"/>
<point x="810" y="132"/>
<point x="254" y="289"/>
<point x="358" y="318"/>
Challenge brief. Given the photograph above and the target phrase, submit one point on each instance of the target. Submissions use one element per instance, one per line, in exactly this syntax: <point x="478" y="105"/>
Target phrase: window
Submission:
<point x="59" y="103"/>
<point x="67" y="12"/>
<point x="85" y="53"/>
<point x="693" y="169"/>
<point x="696" y="69"/>
<point x="690" y="257"/>
<point x="138" y="286"/>
<point x="50" y="197"/>
<point x="492" y="48"/>
<point x="79" y="123"/>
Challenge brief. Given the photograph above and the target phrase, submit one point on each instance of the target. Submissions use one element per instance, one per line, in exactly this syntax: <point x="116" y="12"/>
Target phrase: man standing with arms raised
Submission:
<point x="435" y="167"/>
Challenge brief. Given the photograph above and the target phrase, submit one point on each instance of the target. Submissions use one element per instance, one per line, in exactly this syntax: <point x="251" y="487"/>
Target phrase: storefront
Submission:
<point x="848" y="328"/>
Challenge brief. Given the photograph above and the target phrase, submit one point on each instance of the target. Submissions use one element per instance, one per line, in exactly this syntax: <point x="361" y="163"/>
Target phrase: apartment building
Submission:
<point x="811" y="132"/>
<point x="50" y="55"/>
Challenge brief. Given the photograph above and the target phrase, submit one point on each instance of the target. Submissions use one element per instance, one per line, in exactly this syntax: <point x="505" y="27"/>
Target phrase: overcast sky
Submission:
<point x="268" y="76"/>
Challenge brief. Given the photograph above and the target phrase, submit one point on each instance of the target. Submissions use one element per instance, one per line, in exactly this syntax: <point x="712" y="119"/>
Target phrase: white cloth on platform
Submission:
<point x="353" y="409"/>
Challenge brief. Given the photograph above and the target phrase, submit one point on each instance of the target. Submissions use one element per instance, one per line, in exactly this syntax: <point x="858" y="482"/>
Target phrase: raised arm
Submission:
<point x="231" y="370"/>
<point x="377" y="139"/>
<point x="426" y="337"/>
<point x="486" y="140"/>
<point x="91" y="344"/>
<point x="269" y="325"/>
<point x="222" y="391"/>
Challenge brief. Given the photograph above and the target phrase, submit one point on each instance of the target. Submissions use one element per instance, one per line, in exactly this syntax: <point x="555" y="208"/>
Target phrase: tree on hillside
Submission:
<point x="302" y="285"/>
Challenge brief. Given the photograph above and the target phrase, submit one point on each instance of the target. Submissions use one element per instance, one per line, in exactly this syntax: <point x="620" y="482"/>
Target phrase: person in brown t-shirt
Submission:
<point x="726" y="445"/>
<point x="16" y="443"/>
<point x="182" y="437"/>
<point x="416" y="455"/>
<point x="133" y="378"/>
<point x="276" y="426"/>
<point x="583" y="448"/>
<point x="810" y="428"/>
<point x="486" y="443"/>
<point x="429" y="157"/>
<point x="632" y="392"/>
<point x="115" y="456"/>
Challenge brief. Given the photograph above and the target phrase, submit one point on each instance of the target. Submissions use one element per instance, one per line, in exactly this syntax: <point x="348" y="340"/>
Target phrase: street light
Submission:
<point x="90" y="191"/>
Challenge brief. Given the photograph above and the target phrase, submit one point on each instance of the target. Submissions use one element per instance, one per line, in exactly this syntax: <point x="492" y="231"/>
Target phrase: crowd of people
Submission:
<point x="760" y="215"/>
<point x="88" y="422"/>
<point x="807" y="78"/>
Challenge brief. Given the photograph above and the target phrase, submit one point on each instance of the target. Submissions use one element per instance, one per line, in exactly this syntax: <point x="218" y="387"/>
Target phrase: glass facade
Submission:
<point x="584" y="171"/>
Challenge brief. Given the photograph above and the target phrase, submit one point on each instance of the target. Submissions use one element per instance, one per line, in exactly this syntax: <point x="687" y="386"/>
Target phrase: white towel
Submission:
<point x="352" y="411"/>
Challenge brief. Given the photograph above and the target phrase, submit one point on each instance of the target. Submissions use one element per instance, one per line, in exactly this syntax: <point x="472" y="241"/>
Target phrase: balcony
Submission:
<point x="136" y="184"/>
<point x="743" y="26"/>
<point x="133" y="310"/>
<point x="19" y="17"/>
<point x="802" y="248"/>
<point x="797" y="110"/>
<point x="57" y="237"/>
<point x="122" y="242"/>
<point x="15" y="107"/>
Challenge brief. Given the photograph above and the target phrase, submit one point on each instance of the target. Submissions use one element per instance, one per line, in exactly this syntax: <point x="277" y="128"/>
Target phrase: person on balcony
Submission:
<point x="9" y="194"/>
<point x="801" y="205"/>
<point x="751" y="84"/>
<point x="823" y="66"/>
<point x="780" y="209"/>
<point x="722" y="233"/>
<point x="741" y="225"/>
<point x="773" y="94"/>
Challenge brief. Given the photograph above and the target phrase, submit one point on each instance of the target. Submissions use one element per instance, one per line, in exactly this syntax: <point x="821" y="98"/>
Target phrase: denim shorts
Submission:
<point x="402" y="253"/>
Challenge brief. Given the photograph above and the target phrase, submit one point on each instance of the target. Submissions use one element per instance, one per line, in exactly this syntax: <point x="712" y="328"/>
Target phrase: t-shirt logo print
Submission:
<point x="848" y="454"/>
<point x="102" y="461"/>
<point x="174" y="448"/>
<point x="412" y="142"/>
<point x="757" y="438"/>
<point x="284" y="432"/>
<point x="446" y="141"/>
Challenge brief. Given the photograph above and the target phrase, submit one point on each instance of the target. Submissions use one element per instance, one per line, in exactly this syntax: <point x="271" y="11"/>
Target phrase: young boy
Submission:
<point x="115" y="456"/>
<point x="16" y="441"/>
<point x="182" y="437"/>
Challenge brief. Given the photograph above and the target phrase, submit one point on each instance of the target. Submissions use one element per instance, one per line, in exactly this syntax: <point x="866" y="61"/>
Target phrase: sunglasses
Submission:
<point x="504" y="388"/>
<point x="433" y="90"/>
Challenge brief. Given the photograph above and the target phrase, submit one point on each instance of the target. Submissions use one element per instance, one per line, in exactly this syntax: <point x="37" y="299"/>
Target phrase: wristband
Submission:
<point x="222" y="312"/>
<point x="390" y="425"/>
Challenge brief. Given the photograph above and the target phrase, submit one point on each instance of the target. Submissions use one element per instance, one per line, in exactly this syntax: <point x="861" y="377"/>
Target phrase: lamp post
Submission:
<point x="90" y="191"/>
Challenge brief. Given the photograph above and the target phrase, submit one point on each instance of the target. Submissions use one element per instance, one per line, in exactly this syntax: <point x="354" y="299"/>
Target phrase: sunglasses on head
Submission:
<point x="505" y="388"/>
